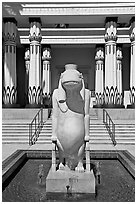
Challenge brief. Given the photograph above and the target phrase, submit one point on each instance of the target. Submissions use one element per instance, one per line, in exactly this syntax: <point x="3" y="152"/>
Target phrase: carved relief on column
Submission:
<point x="119" y="75"/>
<point x="99" y="79"/>
<point x="132" y="62"/>
<point x="34" y="89"/>
<point x="46" y="78"/>
<point x="27" y="66"/>
<point x="10" y="79"/>
<point x="110" y="90"/>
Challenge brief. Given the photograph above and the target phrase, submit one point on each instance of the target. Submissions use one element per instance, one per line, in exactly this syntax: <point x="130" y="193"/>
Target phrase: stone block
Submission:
<point x="76" y="182"/>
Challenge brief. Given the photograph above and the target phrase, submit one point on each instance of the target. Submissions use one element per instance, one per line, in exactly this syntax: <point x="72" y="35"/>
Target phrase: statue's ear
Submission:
<point x="82" y="92"/>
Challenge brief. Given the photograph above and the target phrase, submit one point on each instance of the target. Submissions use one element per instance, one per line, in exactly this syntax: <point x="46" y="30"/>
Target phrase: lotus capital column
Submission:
<point x="110" y="60"/>
<point x="132" y="63"/>
<point x="34" y="89"/>
<point x="119" y="75"/>
<point x="27" y="66"/>
<point x="46" y="78"/>
<point x="99" y="79"/>
<point x="10" y="75"/>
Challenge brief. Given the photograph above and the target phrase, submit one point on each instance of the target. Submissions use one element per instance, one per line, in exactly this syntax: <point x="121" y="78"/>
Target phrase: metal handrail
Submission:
<point x="35" y="127"/>
<point x="110" y="126"/>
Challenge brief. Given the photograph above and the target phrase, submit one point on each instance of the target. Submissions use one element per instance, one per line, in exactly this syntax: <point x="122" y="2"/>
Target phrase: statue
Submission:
<point x="40" y="174"/>
<point x="70" y="119"/>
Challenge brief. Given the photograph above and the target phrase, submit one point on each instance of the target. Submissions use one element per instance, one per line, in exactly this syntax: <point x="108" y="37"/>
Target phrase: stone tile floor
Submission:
<point x="8" y="149"/>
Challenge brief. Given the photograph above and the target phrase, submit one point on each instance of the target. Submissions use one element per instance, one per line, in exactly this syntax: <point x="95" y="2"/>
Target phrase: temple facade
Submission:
<point x="40" y="38"/>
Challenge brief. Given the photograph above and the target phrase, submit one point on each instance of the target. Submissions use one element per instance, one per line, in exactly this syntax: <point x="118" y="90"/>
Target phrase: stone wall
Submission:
<point x="117" y="114"/>
<point x="22" y="114"/>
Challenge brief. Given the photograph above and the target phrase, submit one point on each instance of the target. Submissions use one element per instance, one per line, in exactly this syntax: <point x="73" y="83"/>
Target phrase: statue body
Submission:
<point x="70" y="119"/>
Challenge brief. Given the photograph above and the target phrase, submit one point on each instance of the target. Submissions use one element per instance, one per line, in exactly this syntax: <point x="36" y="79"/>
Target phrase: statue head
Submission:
<point x="71" y="77"/>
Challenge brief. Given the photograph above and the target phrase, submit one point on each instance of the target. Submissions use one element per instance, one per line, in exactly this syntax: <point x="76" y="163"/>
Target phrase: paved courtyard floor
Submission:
<point x="8" y="149"/>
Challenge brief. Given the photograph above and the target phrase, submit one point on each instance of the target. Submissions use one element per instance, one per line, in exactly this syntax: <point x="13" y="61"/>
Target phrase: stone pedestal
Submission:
<point x="60" y="180"/>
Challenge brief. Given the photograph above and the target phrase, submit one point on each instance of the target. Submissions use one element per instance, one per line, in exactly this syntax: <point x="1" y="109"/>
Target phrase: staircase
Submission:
<point x="98" y="132"/>
<point x="45" y="135"/>
<point x="15" y="125"/>
<point x="125" y="134"/>
<point x="15" y="132"/>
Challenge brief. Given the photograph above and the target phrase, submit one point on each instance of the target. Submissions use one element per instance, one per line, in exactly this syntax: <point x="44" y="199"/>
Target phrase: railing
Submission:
<point x="35" y="127"/>
<point x="110" y="126"/>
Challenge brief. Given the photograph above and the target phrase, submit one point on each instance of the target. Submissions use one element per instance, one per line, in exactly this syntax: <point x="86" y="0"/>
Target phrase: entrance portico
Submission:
<point x="54" y="38"/>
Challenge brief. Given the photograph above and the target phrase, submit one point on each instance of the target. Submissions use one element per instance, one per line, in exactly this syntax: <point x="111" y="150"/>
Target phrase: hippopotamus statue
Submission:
<point x="70" y="118"/>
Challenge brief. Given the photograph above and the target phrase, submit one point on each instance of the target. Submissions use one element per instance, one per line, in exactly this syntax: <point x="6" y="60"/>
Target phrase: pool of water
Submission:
<point x="117" y="185"/>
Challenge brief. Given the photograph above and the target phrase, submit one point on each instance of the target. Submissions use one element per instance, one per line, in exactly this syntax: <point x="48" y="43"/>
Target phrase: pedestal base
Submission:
<point x="63" y="181"/>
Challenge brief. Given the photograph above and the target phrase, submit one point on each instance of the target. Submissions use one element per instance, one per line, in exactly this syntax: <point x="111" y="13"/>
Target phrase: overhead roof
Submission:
<point x="73" y="12"/>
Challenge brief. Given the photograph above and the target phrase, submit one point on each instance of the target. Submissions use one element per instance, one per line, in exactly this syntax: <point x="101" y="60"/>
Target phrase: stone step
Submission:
<point x="15" y="122"/>
<point x="48" y="140"/>
<point x="91" y="125"/>
<point x="91" y="135"/>
<point x="15" y="142"/>
<point x="125" y="133"/>
<point x="125" y="136"/>
<point x="15" y="135"/>
<point x="15" y="125"/>
<point x="4" y="131"/>
<point x="91" y="129"/>
<point x="123" y="125"/>
<point x="15" y="138"/>
<point x="109" y="143"/>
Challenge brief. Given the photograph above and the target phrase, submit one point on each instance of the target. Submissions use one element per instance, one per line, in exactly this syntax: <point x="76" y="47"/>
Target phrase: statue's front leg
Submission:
<point x="54" y="139"/>
<point x="61" y="155"/>
<point x="80" y="167"/>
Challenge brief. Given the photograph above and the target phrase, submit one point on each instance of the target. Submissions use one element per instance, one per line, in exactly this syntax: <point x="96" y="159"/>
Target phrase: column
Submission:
<point x="110" y="61"/>
<point x="46" y="78"/>
<point x="119" y="75"/>
<point x="10" y="75"/>
<point x="34" y="89"/>
<point x="99" y="78"/>
<point x="132" y="63"/>
<point x="27" y="66"/>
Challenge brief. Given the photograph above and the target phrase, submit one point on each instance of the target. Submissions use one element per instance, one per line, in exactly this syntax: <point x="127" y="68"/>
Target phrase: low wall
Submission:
<point x="121" y="114"/>
<point x="117" y="114"/>
<point x="22" y="114"/>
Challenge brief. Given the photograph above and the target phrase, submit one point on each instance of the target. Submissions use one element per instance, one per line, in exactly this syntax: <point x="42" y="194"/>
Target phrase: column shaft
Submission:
<point x="27" y="65"/>
<point x="99" y="79"/>
<point x="110" y="64"/>
<point x="46" y="82"/>
<point x="119" y="76"/>
<point x="10" y="78"/>
<point x="110" y="89"/>
<point x="34" y="89"/>
<point x="132" y="64"/>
